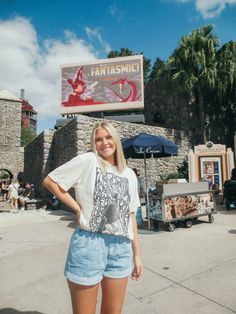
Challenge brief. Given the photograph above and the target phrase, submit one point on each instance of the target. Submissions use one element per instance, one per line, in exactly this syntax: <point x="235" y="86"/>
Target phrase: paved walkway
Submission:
<point x="187" y="271"/>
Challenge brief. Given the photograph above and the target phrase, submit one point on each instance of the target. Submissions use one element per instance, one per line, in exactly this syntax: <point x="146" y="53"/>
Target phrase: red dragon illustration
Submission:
<point x="122" y="82"/>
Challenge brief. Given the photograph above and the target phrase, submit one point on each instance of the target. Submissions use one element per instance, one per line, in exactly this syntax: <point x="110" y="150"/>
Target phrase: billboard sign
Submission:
<point x="101" y="85"/>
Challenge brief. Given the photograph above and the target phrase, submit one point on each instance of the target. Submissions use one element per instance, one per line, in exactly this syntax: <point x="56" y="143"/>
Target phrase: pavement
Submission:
<point x="187" y="271"/>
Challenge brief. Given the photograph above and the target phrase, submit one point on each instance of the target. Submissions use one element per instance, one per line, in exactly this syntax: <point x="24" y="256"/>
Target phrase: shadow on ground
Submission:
<point x="65" y="216"/>
<point x="14" y="311"/>
<point x="233" y="231"/>
<point x="163" y="227"/>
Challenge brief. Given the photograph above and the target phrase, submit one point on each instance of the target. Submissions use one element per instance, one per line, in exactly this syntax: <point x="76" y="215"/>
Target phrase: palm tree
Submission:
<point x="193" y="66"/>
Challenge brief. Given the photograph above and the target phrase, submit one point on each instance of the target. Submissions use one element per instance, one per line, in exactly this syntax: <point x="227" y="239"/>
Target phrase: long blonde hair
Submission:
<point x="119" y="156"/>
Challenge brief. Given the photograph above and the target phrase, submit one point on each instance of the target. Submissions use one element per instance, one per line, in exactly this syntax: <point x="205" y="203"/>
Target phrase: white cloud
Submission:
<point x="209" y="8"/>
<point x="96" y="34"/>
<point x="212" y="8"/>
<point x="115" y="12"/>
<point x="25" y="64"/>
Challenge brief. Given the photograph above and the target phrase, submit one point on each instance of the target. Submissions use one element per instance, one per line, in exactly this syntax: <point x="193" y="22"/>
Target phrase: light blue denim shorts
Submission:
<point x="92" y="256"/>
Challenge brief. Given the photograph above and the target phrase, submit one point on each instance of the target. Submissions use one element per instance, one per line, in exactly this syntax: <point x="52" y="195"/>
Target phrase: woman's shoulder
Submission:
<point x="129" y="172"/>
<point x="86" y="158"/>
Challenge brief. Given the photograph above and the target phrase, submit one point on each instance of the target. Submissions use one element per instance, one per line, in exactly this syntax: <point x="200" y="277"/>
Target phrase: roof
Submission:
<point x="27" y="107"/>
<point x="4" y="94"/>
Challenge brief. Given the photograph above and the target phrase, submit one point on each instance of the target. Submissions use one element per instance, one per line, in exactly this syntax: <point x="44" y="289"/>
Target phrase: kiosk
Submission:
<point x="171" y="203"/>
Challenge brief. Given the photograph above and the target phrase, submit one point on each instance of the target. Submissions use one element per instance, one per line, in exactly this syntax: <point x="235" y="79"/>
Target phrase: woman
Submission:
<point x="13" y="195"/>
<point x="106" y="199"/>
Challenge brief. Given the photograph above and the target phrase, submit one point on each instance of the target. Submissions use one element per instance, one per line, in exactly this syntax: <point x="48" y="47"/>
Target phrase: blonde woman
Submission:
<point x="13" y="195"/>
<point x="104" y="247"/>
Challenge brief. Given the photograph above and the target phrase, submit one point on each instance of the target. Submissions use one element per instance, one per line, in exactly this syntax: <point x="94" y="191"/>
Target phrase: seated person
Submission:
<point x="229" y="188"/>
<point x="26" y="196"/>
<point x="53" y="203"/>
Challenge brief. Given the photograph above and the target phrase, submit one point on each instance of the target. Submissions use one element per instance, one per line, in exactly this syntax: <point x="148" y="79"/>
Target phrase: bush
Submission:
<point x="182" y="173"/>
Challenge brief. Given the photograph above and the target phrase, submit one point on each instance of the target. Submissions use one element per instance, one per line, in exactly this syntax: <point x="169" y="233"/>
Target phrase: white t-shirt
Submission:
<point x="106" y="197"/>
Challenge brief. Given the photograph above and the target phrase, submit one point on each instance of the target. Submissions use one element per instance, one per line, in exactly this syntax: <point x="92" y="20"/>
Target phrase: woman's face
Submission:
<point x="105" y="145"/>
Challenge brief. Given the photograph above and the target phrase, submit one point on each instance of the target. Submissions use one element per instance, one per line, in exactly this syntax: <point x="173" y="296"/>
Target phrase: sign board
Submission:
<point x="101" y="85"/>
<point x="209" y="147"/>
<point x="210" y="170"/>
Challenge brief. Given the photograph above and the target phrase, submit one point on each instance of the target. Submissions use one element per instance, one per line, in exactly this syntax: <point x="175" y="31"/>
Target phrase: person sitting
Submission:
<point x="52" y="204"/>
<point x="229" y="189"/>
<point x="26" y="196"/>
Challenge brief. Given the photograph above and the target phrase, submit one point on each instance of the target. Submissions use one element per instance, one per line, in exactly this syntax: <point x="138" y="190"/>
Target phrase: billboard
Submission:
<point x="101" y="85"/>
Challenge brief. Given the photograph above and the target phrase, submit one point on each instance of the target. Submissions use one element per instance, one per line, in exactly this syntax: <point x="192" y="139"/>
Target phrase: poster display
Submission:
<point x="109" y="84"/>
<point x="210" y="170"/>
<point x="188" y="205"/>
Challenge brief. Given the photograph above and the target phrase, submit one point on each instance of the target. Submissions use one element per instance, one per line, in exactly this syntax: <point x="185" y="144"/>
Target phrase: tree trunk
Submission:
<point x="202" y="116"/>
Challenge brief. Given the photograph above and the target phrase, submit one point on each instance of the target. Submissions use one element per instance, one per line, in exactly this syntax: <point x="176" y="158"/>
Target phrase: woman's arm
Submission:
<point x="138" y="266"/>
<point x="62" y="195"/>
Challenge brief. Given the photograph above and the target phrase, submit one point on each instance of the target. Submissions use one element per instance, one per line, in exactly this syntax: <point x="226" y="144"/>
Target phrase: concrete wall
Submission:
<point x="53" y="148"/>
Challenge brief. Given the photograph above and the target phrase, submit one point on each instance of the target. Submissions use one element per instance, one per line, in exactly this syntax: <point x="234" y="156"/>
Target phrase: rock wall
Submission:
<point x="38" y="160"/>
<point x="53" y="148"/>
<point x="11" y="154"/>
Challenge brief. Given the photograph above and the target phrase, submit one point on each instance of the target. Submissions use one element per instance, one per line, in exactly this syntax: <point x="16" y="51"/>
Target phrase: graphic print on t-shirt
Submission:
<point x="110" y="204"/>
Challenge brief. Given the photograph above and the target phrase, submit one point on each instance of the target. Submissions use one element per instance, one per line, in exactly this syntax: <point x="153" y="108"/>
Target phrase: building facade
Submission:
<point x="28" y="115"/>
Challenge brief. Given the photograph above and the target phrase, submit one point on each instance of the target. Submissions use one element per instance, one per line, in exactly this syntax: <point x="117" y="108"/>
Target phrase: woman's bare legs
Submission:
<point x="12" y="203"/>
<point x="113" y="295"/>
<point x="16" y="203"/>
<point x="83" y="298"/>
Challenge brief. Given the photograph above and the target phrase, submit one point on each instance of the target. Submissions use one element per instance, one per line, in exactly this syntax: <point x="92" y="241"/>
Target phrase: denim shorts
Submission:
<point x="94" y="255"/>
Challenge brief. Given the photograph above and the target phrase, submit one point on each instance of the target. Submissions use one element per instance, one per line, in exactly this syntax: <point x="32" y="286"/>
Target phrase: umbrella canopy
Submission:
<point x="146" y="145"/>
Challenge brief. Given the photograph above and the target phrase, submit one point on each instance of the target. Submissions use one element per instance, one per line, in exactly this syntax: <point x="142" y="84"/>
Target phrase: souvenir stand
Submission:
<point x="171" y="203"/>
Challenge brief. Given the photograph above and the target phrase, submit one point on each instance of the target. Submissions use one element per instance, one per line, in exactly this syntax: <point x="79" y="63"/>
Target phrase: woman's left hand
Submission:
<point x="138" y="268"/>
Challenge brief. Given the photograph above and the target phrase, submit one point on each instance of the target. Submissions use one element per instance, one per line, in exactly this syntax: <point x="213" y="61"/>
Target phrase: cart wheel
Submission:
<point x="188" y="223"/>
<point x="171" y="227"/>
<point x="211" y="218"/>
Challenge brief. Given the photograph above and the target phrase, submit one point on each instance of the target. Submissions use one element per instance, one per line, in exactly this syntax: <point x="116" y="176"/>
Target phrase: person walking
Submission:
<point x="104" y="247"/>
<point x="5" y="191"/>
<point x="13" y="195"/>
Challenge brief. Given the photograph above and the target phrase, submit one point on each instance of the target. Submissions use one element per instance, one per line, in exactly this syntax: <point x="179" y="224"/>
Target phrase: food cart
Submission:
<point x="171" y="203"/>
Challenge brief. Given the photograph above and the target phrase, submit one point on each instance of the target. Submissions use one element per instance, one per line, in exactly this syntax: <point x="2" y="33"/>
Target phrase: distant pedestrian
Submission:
<point x="5" y="190"/>
<point x="13" y="195"/>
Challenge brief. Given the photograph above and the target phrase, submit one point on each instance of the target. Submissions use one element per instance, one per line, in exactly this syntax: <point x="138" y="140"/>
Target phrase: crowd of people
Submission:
<point x="16" y="193"/>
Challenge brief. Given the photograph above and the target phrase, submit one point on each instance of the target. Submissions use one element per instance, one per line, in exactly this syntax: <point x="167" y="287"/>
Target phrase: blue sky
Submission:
<point x="37" y="36"/>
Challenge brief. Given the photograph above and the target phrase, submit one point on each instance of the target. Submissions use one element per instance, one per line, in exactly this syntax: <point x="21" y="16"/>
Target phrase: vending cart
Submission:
<point x="172" y="203"/>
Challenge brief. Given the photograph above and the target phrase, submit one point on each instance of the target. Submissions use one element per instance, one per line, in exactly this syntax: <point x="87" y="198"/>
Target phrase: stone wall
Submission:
<point x="11" y="154"/>
<point x="51" y="149"/>
<point x="38" y="160"/>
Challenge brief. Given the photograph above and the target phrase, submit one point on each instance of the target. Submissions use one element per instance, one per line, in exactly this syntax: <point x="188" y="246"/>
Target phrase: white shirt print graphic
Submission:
<point x="110" y="204"/>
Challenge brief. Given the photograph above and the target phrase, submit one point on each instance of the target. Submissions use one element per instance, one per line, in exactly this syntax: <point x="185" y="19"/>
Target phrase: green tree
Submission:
<point x="26" y="136"/>
<point x="157" y="71"/>
<point x="193" y="66"/>
<point x="222" y="102"/>
<point x="126" y="52"/>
